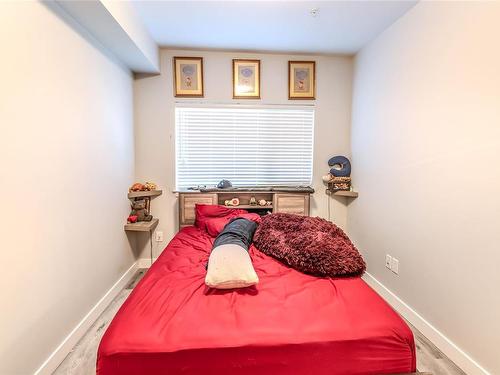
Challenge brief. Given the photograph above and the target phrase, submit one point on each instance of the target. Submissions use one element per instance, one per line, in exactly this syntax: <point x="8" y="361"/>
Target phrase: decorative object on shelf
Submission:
<point x="269" y="203"/>
<point x="301" y="80"/>
<point x="327" y="177"/>
<point x="197" y="187"/>
<point x="140" y="218"/>
<point x="246" y="79"/>
<point x="136" y="187"/>
<point x="140" y="211"/>
<point x="340" y="183"/>
<point x="232" y="202"/>
<point x="340" y="166"/>
<point x="140" y="199"/>
<point x="253" y="201"/>
<point x="188" y="73"/>
<point x="339" y="177"/>
<point x="262" y="202"/>
<point x="150" y="186"/>
<point x="224" y="184"/>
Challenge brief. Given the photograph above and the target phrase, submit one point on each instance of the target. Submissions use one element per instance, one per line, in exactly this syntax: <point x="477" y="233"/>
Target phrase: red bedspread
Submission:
<point x="290" y="323"/>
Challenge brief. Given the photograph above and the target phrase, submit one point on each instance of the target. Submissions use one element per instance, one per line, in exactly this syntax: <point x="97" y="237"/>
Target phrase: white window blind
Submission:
<point x="249" y="146"/>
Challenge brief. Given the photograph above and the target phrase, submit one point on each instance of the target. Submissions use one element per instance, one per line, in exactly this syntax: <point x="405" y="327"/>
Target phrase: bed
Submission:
<point x="290" y="323"/>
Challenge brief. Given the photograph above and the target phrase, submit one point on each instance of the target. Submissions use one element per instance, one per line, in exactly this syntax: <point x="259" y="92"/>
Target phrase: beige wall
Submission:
<point x="426" y="150"/>
<point x="154" y="122"/>
<point x="67" y="158"/>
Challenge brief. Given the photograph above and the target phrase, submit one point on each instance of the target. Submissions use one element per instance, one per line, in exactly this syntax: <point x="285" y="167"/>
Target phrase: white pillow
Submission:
<point x="230" y="266"/>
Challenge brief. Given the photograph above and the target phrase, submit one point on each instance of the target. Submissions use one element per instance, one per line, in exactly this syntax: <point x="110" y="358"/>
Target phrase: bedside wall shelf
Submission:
<point x="139" y="194"/>
<point x="142" y="226"/>
<point x="349" y="194"/>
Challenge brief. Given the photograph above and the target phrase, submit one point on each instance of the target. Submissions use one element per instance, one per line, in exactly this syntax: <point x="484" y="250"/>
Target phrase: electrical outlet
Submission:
<point x="159" y="236"/>
<point x="395" y="266"/>
<point x="388" y="261"/>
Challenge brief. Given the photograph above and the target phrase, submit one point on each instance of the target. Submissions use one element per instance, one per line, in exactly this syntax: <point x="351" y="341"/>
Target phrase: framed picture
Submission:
<point x="188" y="76"/>
<point x="301" y="80"/>
<point x="246" y="79"/>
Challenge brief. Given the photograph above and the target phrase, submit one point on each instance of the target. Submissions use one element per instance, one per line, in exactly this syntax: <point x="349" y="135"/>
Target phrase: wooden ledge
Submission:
<point x="147" y="193"/>
<point x="349" y="194"/>
<point x="142" y="226"/>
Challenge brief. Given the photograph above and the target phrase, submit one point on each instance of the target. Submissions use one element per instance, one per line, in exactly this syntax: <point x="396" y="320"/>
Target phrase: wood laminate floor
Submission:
<point x="82" y="359"/>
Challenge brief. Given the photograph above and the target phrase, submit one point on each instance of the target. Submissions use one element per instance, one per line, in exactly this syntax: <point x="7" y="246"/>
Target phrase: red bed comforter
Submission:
<point x="290" y="323"/>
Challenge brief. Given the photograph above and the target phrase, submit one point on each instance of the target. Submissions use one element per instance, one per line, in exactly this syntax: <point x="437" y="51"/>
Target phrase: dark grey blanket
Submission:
<point x="238" y="231"/>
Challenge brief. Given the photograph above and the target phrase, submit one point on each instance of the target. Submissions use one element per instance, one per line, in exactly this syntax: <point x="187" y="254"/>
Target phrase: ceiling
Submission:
<point x="339" y="27"/>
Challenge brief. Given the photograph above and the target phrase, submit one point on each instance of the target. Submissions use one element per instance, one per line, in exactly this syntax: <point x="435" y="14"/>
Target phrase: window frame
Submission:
<point x="245" y="107"/>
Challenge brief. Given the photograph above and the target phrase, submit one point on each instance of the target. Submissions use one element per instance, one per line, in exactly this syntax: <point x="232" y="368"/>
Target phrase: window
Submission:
<point x="249" y="146"/>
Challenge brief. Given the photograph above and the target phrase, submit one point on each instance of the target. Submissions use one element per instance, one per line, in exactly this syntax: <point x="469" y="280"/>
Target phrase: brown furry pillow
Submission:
<point x="309" y="244"/>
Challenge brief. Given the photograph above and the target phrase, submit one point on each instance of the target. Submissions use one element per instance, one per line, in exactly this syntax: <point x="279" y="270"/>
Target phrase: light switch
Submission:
<point x="388" y="261"/>
<point x="395" y="266"/>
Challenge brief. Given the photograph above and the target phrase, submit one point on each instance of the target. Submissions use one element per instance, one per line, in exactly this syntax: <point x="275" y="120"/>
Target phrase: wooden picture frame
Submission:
<point x="246" y="79"/>
<point x="301" y="80"/>
<point x="188" y="77"/>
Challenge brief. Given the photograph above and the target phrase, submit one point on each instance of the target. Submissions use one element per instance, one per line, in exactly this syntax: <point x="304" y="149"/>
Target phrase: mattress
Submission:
<point x="290" y="323"/>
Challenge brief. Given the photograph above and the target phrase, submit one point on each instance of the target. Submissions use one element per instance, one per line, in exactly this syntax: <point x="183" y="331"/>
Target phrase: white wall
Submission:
<point x="67" y="159"/>
<point x="119" y="28"/>
<point x="154" y="122"/>
<point x="425" y="145"/>
<point x="125" y="14"/>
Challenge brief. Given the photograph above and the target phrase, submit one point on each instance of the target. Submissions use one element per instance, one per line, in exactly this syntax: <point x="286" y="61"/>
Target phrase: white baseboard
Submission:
<point x="450" y="349"/>
<point x="55" y="359"/>
<point x="144" y="262"/>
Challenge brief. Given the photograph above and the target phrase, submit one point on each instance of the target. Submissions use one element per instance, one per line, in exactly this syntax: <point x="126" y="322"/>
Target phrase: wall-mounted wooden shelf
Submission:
<point x="141" y="226"/>
<point x="251" y="206"/>
<point x="349" y="194"/>
<point x="138" y="194"/>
